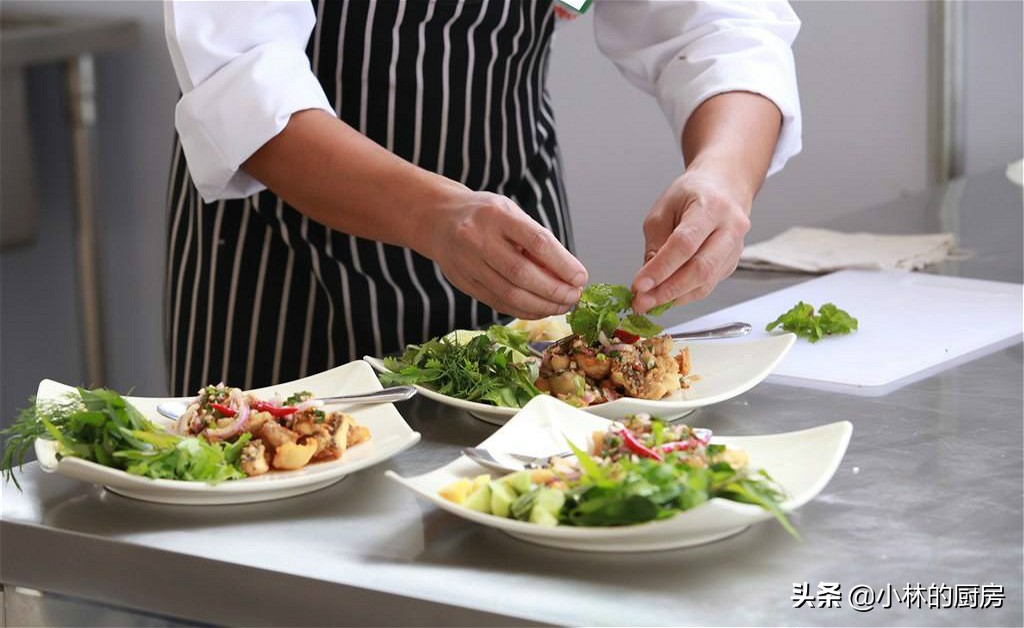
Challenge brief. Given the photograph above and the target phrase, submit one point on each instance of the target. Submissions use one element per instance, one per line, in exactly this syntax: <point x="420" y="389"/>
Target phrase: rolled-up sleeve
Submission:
<point x="243" y="72"/>
<point x="686" y="52"/>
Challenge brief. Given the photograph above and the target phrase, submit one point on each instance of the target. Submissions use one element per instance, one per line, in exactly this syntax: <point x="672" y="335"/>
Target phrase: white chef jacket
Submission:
<point x="243" y="70"/>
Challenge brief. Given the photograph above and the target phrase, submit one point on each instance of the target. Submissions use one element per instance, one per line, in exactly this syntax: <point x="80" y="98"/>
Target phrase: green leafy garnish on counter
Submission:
<point x="101" y="426"/>
<point x="490" y="367"/>
<point x="606" y="307"/>
<point x="802" y="321"/>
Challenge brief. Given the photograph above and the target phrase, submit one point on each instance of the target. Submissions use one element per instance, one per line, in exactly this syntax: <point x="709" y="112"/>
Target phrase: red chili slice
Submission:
<point x="223" y="409"/>
<point x="625" y="336"/>
<point x="275" y="411"/>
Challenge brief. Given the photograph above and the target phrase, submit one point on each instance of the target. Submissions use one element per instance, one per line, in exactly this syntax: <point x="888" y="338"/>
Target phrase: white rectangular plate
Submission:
<point x="389" y="435"/>
<point x="801" y="462"/>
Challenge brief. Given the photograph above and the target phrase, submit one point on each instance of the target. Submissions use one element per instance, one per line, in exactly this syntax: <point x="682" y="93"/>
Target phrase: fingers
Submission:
<point x="523" y="272"/>
<point x="495" y="290"/>
<point x="714" y="261"/>
<point x="676" y="250"/>
<point x="542" y="246"/>
<point x="658" y="227"/>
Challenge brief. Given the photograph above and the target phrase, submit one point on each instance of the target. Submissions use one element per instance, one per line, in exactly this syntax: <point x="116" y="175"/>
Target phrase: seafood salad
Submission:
<point x="612" y="353"/>
<point x="280" y="435"/>
<point x="585" y="374"/>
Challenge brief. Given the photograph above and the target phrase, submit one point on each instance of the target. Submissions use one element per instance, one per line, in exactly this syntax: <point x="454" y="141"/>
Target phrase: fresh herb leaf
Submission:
<point x="802" y="321"/>
<point x="640" y="326"/>
<point x="603" y="308"/>
<point x="489" y="368"/>
<point x="100" y="425"/>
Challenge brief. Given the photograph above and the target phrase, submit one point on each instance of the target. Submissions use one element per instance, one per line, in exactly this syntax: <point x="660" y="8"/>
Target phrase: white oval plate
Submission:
<point x="390" y="435"/>
<point x="801" y="462"/>
<point x="723" y="371"/>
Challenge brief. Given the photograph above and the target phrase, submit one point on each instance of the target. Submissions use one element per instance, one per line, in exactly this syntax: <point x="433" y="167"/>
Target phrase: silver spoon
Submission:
<point x="174" y="409"/>
<point x="731" y="330"/>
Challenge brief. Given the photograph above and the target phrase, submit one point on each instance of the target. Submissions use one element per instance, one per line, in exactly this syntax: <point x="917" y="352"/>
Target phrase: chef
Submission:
<point x="351" y="176"/>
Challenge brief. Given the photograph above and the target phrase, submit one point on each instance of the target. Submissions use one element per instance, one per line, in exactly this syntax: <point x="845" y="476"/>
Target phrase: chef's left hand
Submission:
<point x="694" y="237"/>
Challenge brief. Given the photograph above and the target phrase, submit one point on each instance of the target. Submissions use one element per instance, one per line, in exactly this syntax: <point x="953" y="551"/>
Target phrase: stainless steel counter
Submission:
<point x="930" y="492"/>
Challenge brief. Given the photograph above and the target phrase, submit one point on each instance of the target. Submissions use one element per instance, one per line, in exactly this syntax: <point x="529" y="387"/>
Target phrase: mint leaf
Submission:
<point x="606" y="307"/>
<point x="802" y="321"/>
<point x="639" y="325"/>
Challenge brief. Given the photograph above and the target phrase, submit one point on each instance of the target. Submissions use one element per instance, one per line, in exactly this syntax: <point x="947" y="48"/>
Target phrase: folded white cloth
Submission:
<point x="1015" y="172"/>
<point x="822" y="250"/>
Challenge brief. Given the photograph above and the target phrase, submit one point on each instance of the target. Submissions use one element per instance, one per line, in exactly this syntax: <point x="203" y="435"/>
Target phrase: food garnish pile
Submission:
<point x="613" y="352"/>
<point x="224" y="434"/>
<point x="605" y="352"/>
<point x="283" y="436"/>
<point x="639" y="470"/>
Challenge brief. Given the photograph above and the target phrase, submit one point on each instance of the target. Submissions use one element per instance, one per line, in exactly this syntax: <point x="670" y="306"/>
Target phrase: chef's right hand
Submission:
<point x="493" y="251"/>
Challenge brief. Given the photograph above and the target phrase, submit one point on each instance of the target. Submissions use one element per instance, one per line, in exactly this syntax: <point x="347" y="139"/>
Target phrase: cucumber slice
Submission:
<point x="542" y="517"/>
<point x="480" y="499"/>
<point x="551" y="500"/>
<point x="502" y="497"/>
<point x="519" y="481"/>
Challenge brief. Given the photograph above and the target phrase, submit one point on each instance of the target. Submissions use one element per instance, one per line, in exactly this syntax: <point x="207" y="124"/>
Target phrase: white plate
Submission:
<point x="389" y="435"/>
<point x="723" y="370"/>
<point x="801" y="462"/>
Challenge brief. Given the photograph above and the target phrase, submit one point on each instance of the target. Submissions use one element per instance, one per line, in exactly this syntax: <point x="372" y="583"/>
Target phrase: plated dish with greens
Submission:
<point x="228" y="447"/>
<point x="607" y="360"/>
<point x="635" y="485"/>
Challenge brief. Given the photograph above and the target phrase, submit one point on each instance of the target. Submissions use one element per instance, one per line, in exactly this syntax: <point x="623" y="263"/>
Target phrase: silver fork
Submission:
<point x="486" y="459"/>
<point x="731" y="330"/>
<point x="174" y="409"/>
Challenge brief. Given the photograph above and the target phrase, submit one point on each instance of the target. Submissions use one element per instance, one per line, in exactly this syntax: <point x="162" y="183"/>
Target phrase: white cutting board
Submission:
<point x="912" y="325"/>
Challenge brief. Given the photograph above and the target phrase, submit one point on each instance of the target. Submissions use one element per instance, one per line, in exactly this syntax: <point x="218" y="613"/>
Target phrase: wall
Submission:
<point x="136" y="93"/>
<point x="993" y="84"/>
<point x="865" y="132"/>
<point x="862" y="69"/>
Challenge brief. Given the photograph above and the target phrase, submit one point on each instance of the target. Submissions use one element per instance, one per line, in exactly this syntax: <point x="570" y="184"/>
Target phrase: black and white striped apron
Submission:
<point x="257" y="294"/>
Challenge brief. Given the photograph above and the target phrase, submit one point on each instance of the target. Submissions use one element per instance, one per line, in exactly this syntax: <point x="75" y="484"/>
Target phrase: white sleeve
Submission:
<point x="686" y="52"/>
<point x="243" y="72"/>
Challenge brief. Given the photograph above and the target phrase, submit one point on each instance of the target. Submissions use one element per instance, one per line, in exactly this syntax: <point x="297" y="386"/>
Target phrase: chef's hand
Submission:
<point x="695" y="231"/>
<point x="493" y="251"/>
<point x="694" y="237"/>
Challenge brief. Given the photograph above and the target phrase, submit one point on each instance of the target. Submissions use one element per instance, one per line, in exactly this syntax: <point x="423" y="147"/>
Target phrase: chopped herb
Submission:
<point x="802" y="321"/>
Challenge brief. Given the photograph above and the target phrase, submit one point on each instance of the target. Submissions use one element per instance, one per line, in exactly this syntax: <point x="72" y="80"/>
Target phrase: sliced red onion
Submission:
<point x="620" y="347"/>
<point x="182" y="425"/>
<point x="226" y="432"/>
<point x="702" y="434"/>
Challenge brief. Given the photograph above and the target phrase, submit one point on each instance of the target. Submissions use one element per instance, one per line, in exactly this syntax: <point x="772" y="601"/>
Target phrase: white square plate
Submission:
<point x="389" y="435"/>
<point x="723" y="371"/>
<point x="801" y="462"/>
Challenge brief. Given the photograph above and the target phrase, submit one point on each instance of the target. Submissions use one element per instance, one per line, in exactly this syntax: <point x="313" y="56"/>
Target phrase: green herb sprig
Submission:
<point x="802" y="321"/>
<point x="489" y="368"/>
<point x="101" y="426"/>
<point x="606" y="307"/>
<point x="631" y="491"/>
